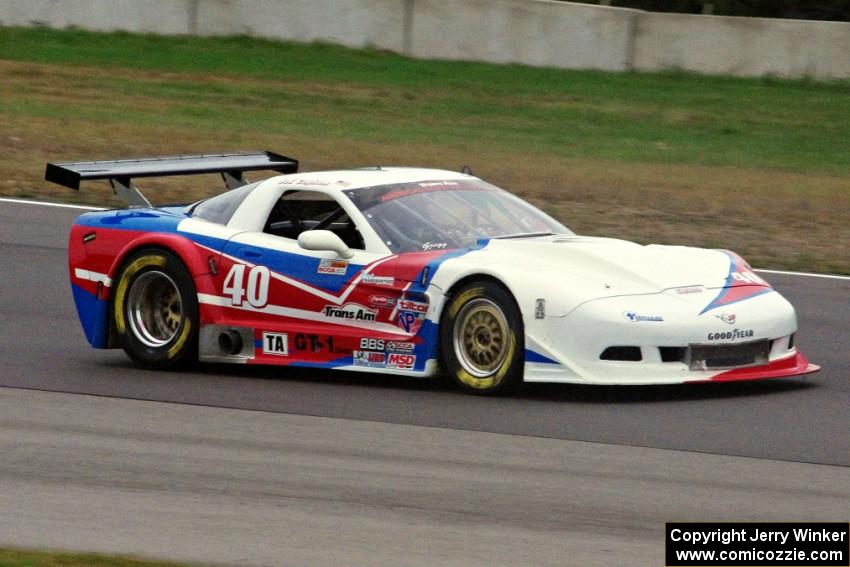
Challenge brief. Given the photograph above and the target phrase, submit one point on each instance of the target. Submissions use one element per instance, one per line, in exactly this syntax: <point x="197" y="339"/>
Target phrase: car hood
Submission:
<point x="617" y="266"/>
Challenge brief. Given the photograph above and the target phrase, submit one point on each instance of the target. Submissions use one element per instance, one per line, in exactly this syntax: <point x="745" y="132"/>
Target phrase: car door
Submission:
<point x="307" y="306"/>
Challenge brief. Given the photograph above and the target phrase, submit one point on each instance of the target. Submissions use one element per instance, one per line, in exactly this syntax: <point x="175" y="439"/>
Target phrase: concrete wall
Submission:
<point x="354" y="23"/>
<point x="745" y="47"/>
<point x="533" y="32"/>
<point x="152" y="16"/>
<point x="543" y="33"/>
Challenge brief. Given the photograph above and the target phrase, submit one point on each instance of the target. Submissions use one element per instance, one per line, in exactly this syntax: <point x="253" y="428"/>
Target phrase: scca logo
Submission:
<point x="397" y="346"/>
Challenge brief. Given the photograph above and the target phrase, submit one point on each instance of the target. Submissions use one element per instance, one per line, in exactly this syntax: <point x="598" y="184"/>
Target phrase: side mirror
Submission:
<point x="324" y="240"/>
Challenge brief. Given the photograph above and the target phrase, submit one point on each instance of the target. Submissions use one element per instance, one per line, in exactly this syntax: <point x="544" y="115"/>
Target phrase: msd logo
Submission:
<point x="401" y="361"/>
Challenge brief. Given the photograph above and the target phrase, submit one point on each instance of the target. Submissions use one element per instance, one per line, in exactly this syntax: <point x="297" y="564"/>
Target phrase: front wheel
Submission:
<point x="154" y="310"/>
<point x="482" y="339"/>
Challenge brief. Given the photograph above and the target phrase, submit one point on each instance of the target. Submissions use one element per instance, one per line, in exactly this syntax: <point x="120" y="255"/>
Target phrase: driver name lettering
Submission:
<point x="303" y="181"/>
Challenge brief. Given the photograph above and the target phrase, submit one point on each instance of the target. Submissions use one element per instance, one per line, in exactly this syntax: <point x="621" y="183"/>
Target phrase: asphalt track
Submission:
<point x="556" y="475"/>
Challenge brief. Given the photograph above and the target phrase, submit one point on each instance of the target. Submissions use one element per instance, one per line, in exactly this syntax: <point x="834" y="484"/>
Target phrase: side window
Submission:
<point x="297" y="211"/>
<point x="221" y="207"/>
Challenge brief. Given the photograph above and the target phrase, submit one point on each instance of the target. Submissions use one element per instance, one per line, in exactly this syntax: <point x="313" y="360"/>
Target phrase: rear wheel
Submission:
<point x="154" y="310"/>
<point x="481" y="339"/>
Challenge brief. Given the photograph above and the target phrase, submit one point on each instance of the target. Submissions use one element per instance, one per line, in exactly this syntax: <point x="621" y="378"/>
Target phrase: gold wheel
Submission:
<point x="481" y="336"/>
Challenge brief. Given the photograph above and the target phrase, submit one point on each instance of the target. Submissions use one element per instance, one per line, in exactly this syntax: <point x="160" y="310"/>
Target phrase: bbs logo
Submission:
<point x="371" y="344"/>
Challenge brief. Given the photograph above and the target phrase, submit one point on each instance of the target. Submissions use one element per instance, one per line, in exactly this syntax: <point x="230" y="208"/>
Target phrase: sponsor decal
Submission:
<point x="401" y="361"/>
<point x="734" y="334"/>
<point x="399" y="346"/>
<point x="638" y="318"/>
<point x="438" y="184"/>
<point x="332" y="266"/>
<point x="381" y="301"/>
<point x="377" y="280"/>
<point x="728" y="318"/>
<point x="369" y="358"/>
<point x="276" y="343"/>
<point x="415" y="306"/>
<point x="408" y="320"/>
<point x="371" y="344"/>
<point x="540" y="309"/>
<point x="690" y="289"/>
<point x="426" y="187"/>
<point x="314" y="343"/>
<point x="350" y="311"/>
<point x="403" y="347"/>
<point x="428" y="246"/>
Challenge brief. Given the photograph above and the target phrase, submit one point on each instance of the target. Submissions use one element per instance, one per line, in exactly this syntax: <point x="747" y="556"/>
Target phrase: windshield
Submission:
<point x="437" y="215"/>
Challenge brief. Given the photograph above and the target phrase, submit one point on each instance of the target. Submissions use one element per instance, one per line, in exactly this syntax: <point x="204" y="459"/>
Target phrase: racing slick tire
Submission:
<point x="155" y="310"/>
<point x="482" y="341"/>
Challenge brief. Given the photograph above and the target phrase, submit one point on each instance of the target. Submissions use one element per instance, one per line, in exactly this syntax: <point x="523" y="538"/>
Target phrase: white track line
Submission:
<point x="46" y="204"/>
<point x="804" y="274"/>
<point x="87" y="208"/>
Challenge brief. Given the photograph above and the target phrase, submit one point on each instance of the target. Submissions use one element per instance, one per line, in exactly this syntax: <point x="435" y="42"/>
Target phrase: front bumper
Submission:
<point x="570" y="348"/>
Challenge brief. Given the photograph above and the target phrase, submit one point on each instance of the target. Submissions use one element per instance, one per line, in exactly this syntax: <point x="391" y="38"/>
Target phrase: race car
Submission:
<point x="417" y="272"/>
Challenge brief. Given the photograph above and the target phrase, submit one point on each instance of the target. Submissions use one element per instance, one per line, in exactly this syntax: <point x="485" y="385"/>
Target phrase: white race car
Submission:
<point x="409" y="271"/>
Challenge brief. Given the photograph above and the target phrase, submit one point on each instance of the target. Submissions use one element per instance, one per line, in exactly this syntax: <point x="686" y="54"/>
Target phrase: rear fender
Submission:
<point x="197" y="259"/>
<point x="93" y="300"/>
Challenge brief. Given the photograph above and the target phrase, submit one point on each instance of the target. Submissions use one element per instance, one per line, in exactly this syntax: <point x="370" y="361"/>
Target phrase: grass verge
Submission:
<point x="758" y="166"/>
<point x="25" y="558"/>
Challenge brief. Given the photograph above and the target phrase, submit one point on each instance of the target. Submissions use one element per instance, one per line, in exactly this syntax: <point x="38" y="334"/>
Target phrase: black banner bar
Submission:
<point x="746" y="544"/>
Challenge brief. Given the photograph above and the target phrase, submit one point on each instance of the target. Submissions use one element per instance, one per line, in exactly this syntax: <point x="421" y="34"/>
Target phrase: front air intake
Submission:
<point x="673" y="354"/>
<point x="622" y="353"/>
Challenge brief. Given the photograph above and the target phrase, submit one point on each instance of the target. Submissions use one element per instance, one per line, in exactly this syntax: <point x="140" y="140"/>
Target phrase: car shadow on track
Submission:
<point x="318" y="376"/>
<point x="665" y="393"/>
<point x="541" y="392"/>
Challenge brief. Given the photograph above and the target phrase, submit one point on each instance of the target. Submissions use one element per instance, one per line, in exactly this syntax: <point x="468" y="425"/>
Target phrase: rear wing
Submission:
<point x="121" y="172"/>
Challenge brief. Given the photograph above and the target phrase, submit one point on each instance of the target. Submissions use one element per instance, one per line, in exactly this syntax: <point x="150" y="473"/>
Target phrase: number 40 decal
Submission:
<point x="749" y="277"/>
<point x="255" y="290"/>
